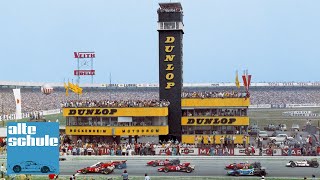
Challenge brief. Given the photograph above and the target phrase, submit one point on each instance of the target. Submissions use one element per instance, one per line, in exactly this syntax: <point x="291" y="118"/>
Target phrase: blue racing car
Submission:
<point x="247" y="172"/>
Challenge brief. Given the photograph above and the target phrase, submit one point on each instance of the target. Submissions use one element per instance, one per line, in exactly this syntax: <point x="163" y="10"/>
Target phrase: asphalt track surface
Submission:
<point x="204" y="166"/>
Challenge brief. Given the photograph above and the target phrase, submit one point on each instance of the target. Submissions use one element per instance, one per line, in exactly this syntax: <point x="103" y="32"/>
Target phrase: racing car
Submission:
<point x="304" y="163"/>
<point x="118" y="164"/>
<point x="165" y="162"/>
<point x="184" y="167"/>
<point x="245" y="165"/>
<point x="247" y="172"/>
<point x="97" y="168"/>
<point x="32" y="166"/>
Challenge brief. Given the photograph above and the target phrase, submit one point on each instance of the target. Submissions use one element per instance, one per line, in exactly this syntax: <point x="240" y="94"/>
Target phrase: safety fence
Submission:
<point x="204" y="152"/>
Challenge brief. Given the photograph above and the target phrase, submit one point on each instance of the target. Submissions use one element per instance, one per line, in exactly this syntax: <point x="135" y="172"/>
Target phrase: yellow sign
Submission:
<point x="217" y="121"/>
<point x="190" y="139"/>
<point x="117" y="130"/>
<point x="116" y="112"/>
<point x="169" y="59"/>
<point x="215" y="102"/>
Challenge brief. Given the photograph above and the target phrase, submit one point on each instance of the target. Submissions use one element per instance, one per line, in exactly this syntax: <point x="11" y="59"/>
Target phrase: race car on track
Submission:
<point x="304" y="163"/>
<point x="247" y="172"/>
<point x="184" y="167"/>
<point x="117" y="164"/>
<point x="97" y="168"/>
<point x="165" y="162"/>
<point x="32" y="166"/>
<point x="245" y="165"/>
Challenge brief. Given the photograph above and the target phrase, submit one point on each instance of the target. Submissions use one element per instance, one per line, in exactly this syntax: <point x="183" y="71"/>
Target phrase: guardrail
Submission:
<point x="207" y="152"/>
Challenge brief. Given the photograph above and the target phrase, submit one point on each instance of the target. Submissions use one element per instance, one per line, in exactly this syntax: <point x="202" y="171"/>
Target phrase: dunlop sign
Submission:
<point x="215" y="121"/>
<point x="117" y="112"/>
<point x="211" y="121"/>
<point x="169" y="58"/>
<point x="91" y="112"/>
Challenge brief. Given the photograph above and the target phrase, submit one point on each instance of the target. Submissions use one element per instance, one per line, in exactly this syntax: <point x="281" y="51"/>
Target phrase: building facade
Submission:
<point x="110" y="124"/>
<point x="211" y="120"/>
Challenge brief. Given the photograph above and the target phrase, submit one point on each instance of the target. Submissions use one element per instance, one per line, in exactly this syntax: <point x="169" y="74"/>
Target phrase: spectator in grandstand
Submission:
<point x="34" y="101"/>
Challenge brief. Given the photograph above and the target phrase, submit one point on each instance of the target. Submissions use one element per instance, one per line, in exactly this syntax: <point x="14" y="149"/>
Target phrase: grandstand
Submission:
<point x="273" y="94"/>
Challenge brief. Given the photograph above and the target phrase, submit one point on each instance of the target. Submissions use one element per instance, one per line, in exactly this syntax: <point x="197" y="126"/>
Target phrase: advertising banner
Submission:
<point x="116" y="112"/>
<point x="33" y="148"/>
<point x="265" y="152"/>
<point x="294" y="152"/>
<point x="217" y="121"/>
<point x="81" y="55"/>
<point x="183" y="151"/>
<point x="84" y="72"/>
<point x="217" y="152"/>
<point x="162" y="151"/>
<point x="117" y="131"/>
<point x="189" y="151"/>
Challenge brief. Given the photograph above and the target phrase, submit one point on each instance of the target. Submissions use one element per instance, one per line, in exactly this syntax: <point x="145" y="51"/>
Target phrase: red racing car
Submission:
<point x="245" y="165"/>
<point x="184" y="167"/>
<point x="97" y="168"/>
<point x="117" y="164"/>
<point x="165" y="162"/>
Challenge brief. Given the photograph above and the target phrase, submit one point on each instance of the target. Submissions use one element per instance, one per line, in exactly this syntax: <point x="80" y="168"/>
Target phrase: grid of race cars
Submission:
<point x="174" y="165"/>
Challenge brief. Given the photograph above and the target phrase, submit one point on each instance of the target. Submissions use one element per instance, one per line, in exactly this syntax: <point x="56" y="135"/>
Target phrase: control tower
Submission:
<point x="170" y="28"/>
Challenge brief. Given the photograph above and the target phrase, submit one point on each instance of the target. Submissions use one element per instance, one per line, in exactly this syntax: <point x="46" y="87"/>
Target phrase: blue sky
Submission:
<point x="275" y="40"/>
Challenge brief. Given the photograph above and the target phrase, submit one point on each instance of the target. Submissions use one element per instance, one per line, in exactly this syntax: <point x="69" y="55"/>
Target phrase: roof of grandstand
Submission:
<point x="223" y="84"/>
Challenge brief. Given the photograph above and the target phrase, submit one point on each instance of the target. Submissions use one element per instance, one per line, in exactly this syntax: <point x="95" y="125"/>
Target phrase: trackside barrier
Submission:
<point x="104" y="151"/>
<point x="265" y="152"/>
<point x="292" y="152"/>
<point x="183" y="151"/>
<point x="217" y="152"/>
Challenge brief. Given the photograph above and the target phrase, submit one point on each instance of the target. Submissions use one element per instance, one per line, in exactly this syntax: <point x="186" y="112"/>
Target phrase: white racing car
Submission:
<point x="304" y="163"/>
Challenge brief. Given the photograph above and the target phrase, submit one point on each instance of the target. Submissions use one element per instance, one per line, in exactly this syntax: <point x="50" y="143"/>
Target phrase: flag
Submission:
<point x="71" y="87"/>
<point x="67" y="89"/>
<point x="249" y="81"/>
<point x="75" y="88"/>
<point x="237" y="81"/>
<point x="17" y="97"/>
<point x="244" y="78"/>
<point x="78" y="89"/>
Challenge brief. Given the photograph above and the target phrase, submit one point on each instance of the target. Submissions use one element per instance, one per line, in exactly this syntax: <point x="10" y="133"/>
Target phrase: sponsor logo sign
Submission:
<point x="33" y="148"/>
<point x="80" y="55"/>
<point x="210" y="121"/>
<point x="116" y="112"/>
<point x="91" y="112"/>
<point x="117" y="130"/>
<point x="169" y="58"/>
<point x="205" y="121"/>
<point x="265" y="152"/>
<point x="206" y="151"/>
<point x="294" y="152"/>
<point x="84" y="72"/>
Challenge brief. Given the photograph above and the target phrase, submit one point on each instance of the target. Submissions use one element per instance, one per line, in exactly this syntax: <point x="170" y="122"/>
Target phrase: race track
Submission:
<point x="205" y="166"/>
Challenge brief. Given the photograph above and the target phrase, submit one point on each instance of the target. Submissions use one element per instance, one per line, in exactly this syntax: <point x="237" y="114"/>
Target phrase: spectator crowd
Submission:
<point x="33" y="100"/>
<point x="116" y="103"/>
